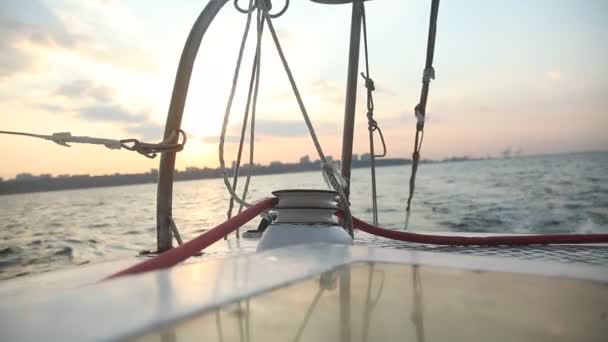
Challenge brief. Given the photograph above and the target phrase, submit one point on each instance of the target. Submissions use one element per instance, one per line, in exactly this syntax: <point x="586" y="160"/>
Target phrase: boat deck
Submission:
<point x="360" y="293"/>
<point x="396" y="302"/>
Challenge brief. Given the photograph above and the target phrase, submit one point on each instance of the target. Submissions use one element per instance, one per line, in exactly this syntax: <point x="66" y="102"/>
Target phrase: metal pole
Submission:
<point x="351" y="94"/>
<point x="164" y="196"/>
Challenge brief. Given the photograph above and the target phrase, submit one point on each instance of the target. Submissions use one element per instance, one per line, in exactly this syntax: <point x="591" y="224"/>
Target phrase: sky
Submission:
<point x="526" y="75"/>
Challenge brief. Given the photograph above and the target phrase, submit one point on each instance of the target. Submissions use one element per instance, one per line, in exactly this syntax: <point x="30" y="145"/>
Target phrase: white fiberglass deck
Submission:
<point x="457" y="297"/>
<point x="398" y="302"/>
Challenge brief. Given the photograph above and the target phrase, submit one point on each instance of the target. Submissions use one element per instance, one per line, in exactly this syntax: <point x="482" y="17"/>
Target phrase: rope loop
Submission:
<point x="383" y="154"/>
<point x="267" y="5"/>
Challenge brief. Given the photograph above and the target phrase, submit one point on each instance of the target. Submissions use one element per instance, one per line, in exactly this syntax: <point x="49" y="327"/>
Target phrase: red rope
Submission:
<point x="512" y="240"/>
<point x="176" y="255"/>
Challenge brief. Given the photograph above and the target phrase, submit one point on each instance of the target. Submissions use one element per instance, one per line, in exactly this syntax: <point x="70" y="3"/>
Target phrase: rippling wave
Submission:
<point x="546" y="194"/>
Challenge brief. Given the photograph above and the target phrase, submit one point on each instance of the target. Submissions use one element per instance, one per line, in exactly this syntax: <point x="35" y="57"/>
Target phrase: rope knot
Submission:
<point x="372" y="124"/>
<point x="267" y="3"/>
<point x="332" y="177"/>
<point x="428" y="74"/>
<point x="369" y="83"/>
<point x="262" y="5"/>
<point x="420" y="116"/>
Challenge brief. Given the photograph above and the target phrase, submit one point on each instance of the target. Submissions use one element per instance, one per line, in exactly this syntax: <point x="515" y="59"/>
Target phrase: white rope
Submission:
<point x="229" y="107"/>
<point x="428" y="74"/>
<point x="330" y="171"/>
<point x="258" y="66"/>
<point x="252" y="98"/>
<point x="63" y="138"/>
<point x="420" y="117"/>
<point x="146" y="149"/>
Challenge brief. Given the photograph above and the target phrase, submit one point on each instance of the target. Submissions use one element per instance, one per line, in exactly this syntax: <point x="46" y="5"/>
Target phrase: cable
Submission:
<point x="372" y="124"/>
<point x="420" y="109"/>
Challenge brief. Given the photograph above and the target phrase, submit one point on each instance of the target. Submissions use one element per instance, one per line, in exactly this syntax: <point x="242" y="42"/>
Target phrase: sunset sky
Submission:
<point x="529" y="75"/>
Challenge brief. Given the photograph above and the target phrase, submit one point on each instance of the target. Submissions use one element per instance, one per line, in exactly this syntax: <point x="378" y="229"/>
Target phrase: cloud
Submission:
<point x="290" y="128"/>
<point x="137" y="124"/>
<point x="28" y="22"/>
<point x="109" y="113"/>
<point x="273" y="128"/>
<point x="30" y="30"/>
<point x="230" y="139"/>
<point x="279" y="128"/>
<point x="52" y="108"/>
<point x="334" y="94"/>
<point x="12" y="61"/>
<point x="148" y="130"/>
<point x="487" y="109"/>
<point x="33" y="21"/>
<point x="85" y="88"/>
<point x="328" y="91"/>
<point x="104" y="108"/>
<point x="381" y="89"/>
<point x="554" y="75"/>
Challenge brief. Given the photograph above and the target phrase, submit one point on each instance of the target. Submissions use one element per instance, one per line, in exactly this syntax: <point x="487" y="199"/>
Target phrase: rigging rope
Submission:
<point x="254" y="109"/>
<point x="330" y="170"/>
<point x="254" y="84"/>
<point x="235" y="79"/>
<point x="372" y="124"/>
<point x="147" y="149"/>
<point x="420" y="109"/>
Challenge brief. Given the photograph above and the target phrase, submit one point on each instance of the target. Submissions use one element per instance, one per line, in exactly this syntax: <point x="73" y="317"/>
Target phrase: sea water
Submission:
<point x="542" y="194"/>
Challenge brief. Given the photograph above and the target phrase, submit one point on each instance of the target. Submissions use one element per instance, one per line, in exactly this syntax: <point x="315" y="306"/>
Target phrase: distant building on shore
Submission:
<point x="27" y="177"/>
<point x="27" y="182"/>
<point x="305" y="160"/>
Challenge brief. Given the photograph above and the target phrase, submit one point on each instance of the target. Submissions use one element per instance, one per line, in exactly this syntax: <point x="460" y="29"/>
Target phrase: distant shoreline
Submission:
<point x="46" y="183"/>
<point x="27" y="183"/>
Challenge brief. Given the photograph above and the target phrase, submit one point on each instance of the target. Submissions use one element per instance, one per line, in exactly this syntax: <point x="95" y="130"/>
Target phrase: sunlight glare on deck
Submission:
<point x="390" y="302"/>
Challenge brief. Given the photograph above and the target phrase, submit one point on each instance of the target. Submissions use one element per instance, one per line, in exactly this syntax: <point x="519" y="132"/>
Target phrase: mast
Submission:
<point x="347" y="152"/>
<point x="351" y="94"/>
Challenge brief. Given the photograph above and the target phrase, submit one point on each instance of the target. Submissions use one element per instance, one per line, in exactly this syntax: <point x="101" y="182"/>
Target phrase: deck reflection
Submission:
<point x="397" y="302"/>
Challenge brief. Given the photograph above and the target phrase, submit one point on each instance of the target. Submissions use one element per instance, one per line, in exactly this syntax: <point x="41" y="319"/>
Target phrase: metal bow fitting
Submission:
<point x="151" y="150"/>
